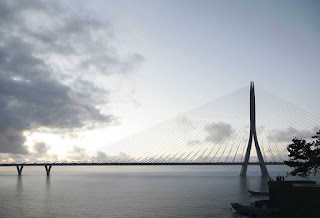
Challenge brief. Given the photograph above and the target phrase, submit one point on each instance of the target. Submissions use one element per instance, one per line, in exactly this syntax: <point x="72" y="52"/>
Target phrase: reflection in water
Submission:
<point x="19" y="184"/>
<point x="48" y="189"/>
<point x="260" y="185"/>
<point x="243" y="183"/>
<point x="252" y="183"/>
<point x="191" y="194"/>
<point x="264" y="184"/>
<point x="48" y="183"/>
<point x="243" y="187"/>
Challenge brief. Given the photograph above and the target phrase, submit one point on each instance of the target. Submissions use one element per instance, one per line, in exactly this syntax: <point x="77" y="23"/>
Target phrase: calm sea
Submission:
<point x="168" y="193"/>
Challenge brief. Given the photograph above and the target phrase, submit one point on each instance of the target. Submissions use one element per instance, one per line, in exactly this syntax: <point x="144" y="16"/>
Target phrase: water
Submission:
<point x="125" y="194"/>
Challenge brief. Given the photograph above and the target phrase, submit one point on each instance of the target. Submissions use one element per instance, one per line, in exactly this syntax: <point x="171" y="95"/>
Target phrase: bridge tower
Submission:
<point x="253" y="136"/>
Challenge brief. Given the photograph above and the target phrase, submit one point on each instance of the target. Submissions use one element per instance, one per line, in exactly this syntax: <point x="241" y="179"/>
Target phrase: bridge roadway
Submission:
<point x="48" y="166"/>
<point x="134" y="163"/>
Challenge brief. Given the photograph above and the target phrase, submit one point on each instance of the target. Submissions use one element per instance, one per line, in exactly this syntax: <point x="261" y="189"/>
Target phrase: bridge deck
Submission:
<point x="137" y="164"/>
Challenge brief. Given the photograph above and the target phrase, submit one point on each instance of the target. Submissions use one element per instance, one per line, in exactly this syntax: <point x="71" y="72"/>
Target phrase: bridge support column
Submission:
<point x="253" y="135"/>
<point x="48" y="169"/>
<point x="263" y="168"/>
<point x="19" y="168"/>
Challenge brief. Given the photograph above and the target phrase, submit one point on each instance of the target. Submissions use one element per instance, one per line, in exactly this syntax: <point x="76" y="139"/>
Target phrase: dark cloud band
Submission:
<point x="47" y="55"/>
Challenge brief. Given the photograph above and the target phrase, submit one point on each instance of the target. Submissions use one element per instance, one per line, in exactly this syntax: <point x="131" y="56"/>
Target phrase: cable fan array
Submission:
<point x="216" y="132"/>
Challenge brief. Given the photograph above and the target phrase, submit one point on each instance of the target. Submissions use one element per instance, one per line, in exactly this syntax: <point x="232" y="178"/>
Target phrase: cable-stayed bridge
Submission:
<point x="220" y="132"/>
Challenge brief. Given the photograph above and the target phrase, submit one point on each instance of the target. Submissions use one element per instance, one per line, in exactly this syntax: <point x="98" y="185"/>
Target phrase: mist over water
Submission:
<point x="127" y="194"/>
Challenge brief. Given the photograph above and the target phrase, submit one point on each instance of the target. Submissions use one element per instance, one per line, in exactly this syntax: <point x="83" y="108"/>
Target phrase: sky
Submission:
<point x="78" y="75"/>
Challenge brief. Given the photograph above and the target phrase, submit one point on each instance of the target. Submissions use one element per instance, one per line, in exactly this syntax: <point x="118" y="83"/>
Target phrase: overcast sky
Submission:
<point x="76" y="75"/>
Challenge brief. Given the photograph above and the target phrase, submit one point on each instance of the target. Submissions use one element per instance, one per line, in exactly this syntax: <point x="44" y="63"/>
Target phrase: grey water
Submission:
<point x="125" y="194"/>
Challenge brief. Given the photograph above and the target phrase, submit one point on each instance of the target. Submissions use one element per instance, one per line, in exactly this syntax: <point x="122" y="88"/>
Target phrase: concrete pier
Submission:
<point x="48" y="169"/>
<point x="253" y="135"/>
<point x="19" y="168"/>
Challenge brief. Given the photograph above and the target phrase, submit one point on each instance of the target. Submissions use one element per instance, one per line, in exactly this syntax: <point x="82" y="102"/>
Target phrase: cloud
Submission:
<point x="11" y="141"/>
<point x="185" y="121"/>
<point x="48" y="57"/>
<point x="218" y="132"/>
<point x="193" y="142"/>
<point x="41" y="148"/>
<point x="101" y="156"/>
<point x="39" y="153"/>
<point x="78" y="154"/>
<point x="288" y="134"/>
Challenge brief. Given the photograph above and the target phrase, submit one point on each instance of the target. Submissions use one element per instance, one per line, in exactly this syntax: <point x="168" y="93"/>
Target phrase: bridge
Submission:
<point x="213" y="134"/>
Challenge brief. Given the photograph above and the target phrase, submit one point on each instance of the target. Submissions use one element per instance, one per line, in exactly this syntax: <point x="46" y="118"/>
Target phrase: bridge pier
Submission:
<point x="19" y="168"/>
<point x="48" y="169"/>
<point x="253" y="136"/>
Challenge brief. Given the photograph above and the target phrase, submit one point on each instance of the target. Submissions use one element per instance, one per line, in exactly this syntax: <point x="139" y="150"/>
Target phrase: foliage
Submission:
<point x="304" y="156"/>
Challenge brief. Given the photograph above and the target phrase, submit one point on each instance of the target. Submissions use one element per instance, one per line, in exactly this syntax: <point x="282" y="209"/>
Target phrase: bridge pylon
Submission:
<point x="253" y="136"/>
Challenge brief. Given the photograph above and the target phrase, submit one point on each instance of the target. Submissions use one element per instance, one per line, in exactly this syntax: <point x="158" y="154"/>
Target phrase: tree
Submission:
<point x="304" y="156"/>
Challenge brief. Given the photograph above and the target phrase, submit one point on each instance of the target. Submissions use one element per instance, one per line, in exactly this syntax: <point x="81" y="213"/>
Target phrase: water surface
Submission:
<point x="124" y="194"/>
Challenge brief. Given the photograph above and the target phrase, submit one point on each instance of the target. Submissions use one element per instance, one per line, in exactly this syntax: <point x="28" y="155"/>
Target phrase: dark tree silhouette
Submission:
<point x="304" y="156"/>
